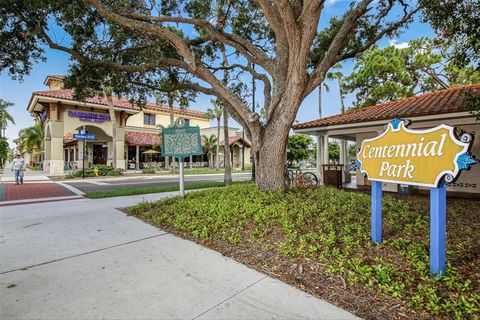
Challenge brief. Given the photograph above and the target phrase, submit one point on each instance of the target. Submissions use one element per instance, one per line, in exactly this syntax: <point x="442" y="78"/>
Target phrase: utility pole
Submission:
<point x="253" y="110"/>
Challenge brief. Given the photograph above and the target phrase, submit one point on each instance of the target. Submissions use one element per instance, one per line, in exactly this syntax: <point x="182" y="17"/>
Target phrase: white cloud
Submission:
<point x="401" y="45"/>
<point x="330" y="2"/>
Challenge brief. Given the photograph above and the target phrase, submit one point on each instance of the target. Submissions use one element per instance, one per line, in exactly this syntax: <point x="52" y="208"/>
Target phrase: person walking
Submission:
<point x="18" y="167"/>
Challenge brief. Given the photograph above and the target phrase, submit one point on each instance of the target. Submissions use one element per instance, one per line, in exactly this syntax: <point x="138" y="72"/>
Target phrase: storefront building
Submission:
<point x="137" y="129"/>
<point x="425" y="111"/>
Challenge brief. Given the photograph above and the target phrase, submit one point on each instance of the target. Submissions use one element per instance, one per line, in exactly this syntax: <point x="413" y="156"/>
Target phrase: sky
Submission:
<point x="57" y="64"/>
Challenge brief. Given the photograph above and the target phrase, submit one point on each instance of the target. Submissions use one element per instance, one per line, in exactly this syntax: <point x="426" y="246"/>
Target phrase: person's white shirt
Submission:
<point x="18" y="164"/>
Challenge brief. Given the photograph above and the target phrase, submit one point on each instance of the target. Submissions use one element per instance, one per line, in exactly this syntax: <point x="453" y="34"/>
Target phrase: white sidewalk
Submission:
<point x="29" y="176"/>
<point x="83" y="259"/>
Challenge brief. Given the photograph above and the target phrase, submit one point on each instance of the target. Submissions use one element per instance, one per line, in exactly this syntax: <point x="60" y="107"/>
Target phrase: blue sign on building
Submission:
<point x="84" y="136"/>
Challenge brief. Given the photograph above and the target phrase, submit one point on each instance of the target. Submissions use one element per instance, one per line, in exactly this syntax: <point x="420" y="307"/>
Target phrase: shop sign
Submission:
<point x="415" y="157"/>
<point x="181" y="140"/>
<point x="89" y="116"/>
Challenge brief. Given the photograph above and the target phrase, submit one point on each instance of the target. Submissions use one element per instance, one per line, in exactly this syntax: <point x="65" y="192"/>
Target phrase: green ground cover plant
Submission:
<point x="319" y="240"/>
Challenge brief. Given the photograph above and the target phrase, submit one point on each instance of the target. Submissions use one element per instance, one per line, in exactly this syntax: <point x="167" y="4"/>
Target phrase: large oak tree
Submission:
<point x="278" y="42"/>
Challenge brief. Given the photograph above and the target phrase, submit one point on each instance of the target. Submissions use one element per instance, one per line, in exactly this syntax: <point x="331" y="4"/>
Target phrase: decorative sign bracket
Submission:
<point x="428" y="158"/>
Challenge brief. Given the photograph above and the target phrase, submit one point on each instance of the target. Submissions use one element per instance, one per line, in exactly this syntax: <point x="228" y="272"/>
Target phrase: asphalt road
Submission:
<point x="89" y="185"/>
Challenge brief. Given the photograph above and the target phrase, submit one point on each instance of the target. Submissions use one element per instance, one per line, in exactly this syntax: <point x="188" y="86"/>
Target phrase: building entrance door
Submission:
<point x="100" y="154"/>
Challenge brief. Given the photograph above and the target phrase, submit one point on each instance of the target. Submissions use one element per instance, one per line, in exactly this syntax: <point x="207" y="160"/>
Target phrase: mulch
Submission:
<point x="311" y="276"/>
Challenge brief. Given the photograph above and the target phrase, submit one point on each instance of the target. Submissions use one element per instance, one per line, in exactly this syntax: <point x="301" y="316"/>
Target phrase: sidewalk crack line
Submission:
<point x="232" y="296"/>
<point x="83" y="254"/>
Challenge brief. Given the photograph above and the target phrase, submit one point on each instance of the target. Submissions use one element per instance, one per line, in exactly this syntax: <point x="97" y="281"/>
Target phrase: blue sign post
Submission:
<point x="438" y="157"/>
<point x="438" y="229"/>
<point x="376" y="212"/>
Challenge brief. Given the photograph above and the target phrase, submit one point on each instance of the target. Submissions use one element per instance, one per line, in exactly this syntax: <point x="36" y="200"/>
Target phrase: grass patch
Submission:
<point x="319" y="240"/>
<point x="146" y="190"/>
<point x="189" y="172"/>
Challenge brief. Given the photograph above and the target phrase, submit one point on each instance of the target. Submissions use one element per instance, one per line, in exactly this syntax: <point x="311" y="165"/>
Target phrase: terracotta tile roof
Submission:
<point x="141" y="138"/>
<point x="56" y="76"/>
<point x="177" y="110"/>
<point x="437" y="102"/>
<point x="67" y="94"/>
<point x="235" y="139"/>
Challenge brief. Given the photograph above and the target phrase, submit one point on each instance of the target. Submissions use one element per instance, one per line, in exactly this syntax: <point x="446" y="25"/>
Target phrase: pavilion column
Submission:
<point x="326" y="159"/>
<point x="137" y="157"/>
<point x="343" y="159"/>
<point x="347" y="177"/>
<point x="75" y="153"/>
<point x="68" y="155"/>
<point x="320" y="157"/>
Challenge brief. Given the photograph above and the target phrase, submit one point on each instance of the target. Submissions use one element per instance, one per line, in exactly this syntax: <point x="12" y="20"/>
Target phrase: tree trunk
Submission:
<point x="217" y="161"/>
<point x="226" y="152"/>
<point x="270" y="158"/>
<point x="270" y="143"/>
<point x="113" y="120"/>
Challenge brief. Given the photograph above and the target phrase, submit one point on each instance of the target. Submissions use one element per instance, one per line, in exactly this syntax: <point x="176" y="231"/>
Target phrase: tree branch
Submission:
<point x="316" y="77"/>
<point x="267" y="86"/>
<point x="382" y="33"/>
<point x="176" y="41"/>
<point x="246" y="48"/>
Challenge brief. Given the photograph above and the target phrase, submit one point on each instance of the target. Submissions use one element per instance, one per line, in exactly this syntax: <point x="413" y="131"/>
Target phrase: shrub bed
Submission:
<point x="100" y="170"/>
<point x="149" y="170"/>
<point x="319" y="240"/>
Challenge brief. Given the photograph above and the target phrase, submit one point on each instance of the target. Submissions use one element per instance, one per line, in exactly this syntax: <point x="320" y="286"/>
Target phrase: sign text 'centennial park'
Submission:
<point x="415" y="157"/>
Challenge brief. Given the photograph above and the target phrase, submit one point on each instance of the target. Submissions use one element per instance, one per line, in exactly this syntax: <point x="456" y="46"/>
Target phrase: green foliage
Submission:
<point x="32" y="137"/>
<point x="4" y="149"/>
<point x="458" y="20"/>
<point x="382" y="75"/>
<point x="100" y="170"/>
<point x="472" y="100"/>
<point x="334" y="151"/>
<point x="300" y="147"/>
<point x="352" y="150"/>
<point x="149" y="170"/>
<point x="330" y="227"/>
<point x="35" y="168"/>
<point x="5" y="116"/>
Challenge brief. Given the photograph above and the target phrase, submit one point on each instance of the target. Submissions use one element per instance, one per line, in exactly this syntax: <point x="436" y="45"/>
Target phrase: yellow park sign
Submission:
<point x="415" y="157"/>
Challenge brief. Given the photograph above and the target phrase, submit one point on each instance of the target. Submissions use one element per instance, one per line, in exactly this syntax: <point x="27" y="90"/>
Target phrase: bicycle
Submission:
<point x="300" y="179"/>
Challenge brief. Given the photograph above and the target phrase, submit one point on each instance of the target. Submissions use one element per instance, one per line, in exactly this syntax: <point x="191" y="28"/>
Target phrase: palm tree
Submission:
<point x="216" y="113"/>
<point x="332" y="75"/>
<point x="5" y="117"/>
<point x="209" y="143"/>
<point x="32" y="137"/>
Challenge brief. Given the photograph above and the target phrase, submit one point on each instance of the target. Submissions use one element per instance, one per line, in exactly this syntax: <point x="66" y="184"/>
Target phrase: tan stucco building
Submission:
<point x="137" y="128"/>
<point x="239" y="145"/>
<point x="425" y="111"/>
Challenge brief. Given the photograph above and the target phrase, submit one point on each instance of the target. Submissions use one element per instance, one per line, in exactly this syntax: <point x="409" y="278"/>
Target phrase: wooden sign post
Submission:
<point x="181" y="141"/>
<point x="427" y="158"/>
